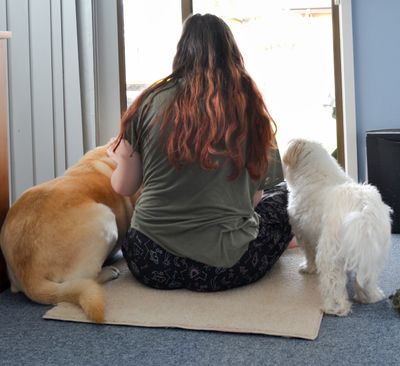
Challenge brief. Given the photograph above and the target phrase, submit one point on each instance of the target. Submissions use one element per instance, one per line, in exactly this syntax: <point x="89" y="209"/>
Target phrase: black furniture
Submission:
<point x="383" y="164"/>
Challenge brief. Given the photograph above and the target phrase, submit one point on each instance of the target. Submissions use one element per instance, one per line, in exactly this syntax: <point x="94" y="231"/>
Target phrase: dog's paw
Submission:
<point x="115" y="272"/>
<point x="342" y="309"/>
<point x="14" y="288"/>
<point x="108" y="274"/>
<point x="369" y="296"/>
<point x="307" y="268"/>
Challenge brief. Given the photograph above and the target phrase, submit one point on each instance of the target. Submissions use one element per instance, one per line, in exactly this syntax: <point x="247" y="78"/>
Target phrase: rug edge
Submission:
<point x="310" y="336"/>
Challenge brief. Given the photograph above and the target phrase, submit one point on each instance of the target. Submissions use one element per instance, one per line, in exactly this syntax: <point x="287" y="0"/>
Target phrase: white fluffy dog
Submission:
<point x="341" y="225"/>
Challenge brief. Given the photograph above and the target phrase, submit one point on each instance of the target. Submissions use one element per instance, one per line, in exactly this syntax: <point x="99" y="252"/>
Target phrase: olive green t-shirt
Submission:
<point x="192" y="212"/>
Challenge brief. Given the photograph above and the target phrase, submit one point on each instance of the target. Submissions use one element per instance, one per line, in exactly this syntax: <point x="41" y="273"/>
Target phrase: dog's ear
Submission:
<point x="293" y="152"/>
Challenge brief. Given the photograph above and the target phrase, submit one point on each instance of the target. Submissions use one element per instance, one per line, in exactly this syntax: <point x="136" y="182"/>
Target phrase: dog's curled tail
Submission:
<point x="86" y="293"/>
<point x="366" y="238"/>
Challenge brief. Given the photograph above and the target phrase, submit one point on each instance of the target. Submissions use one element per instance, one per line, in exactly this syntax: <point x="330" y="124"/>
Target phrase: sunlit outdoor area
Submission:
<point x="286" y="45"/>
<point x="151" y="30"/>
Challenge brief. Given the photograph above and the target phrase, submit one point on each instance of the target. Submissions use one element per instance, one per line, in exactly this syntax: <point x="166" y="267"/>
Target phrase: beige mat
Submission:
<point x="283" y="303"/>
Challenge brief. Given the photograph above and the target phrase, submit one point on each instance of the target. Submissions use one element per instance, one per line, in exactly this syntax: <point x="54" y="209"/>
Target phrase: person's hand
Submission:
<point x="123" y="152"/>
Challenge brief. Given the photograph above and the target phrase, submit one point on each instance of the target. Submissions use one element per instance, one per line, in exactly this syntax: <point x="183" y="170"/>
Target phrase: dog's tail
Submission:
<point x="366" y="238"/>
<point x="86" y="293"/>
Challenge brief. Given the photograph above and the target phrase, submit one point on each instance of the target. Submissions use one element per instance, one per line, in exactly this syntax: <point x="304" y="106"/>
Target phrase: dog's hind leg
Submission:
<point x="334" y="293"/>
<point x="13" y="282"/>
<point x="332" y="281"/>
<point x="367" y="291"/>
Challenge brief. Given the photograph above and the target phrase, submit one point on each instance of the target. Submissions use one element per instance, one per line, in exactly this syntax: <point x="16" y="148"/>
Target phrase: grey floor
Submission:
<point x="369" y="336"/>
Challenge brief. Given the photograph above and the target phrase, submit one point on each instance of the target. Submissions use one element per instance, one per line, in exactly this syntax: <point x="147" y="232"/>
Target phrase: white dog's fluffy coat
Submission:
<point x="341" y="225"/>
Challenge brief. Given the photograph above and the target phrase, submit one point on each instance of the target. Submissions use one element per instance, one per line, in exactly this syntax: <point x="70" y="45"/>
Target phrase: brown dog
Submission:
<point x="58" y="234"/>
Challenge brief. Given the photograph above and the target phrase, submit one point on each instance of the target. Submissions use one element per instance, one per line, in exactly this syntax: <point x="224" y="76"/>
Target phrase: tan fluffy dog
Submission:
<point x="58" y="234"/>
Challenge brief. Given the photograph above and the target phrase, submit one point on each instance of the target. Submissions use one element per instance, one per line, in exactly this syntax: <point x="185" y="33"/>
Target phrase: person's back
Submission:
<point x="190" y="211"/>
<point x="204" y="136"/>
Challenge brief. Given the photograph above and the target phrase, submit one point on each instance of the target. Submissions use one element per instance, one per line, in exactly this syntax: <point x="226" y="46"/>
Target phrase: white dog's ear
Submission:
<point x="293" y="152"/>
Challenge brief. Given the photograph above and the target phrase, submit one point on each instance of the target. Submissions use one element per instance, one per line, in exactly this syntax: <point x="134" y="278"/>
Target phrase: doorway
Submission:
<point x="287" y="47"/>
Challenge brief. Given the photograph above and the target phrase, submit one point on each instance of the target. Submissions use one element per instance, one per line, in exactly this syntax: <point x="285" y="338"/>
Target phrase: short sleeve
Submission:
<point x="275" y="172"/>
<point x="131" y="135"/>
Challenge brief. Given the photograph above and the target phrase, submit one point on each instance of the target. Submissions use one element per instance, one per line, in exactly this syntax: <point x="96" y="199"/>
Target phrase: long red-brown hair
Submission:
<point x="217" y="108"/>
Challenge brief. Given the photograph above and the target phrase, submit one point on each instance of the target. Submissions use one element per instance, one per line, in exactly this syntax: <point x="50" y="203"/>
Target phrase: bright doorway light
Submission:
<point x="286" y="45"/>
<point x="287" y="49"/>
<point x="151" y="31"/>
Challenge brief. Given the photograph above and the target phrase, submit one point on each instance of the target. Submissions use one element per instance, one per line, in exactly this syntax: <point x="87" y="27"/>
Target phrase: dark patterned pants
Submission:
<point x="157" y="268"/>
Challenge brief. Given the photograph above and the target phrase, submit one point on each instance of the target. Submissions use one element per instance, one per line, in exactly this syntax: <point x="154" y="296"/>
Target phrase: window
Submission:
<point x="151" y="30"/>
<point x="286" y="44"/>
<point x="287" y="49"/>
